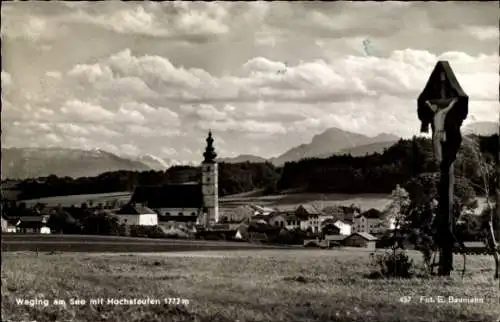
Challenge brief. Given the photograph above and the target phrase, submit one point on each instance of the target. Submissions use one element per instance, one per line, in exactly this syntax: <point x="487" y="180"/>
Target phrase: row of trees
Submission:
<point x="233" y="178"/>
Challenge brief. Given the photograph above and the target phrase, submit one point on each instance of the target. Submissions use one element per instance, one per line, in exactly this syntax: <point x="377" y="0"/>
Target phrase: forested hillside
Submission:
<point x="379" y="173"/>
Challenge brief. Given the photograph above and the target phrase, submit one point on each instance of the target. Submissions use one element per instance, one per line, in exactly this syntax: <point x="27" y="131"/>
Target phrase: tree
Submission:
<point x="398" y="208"/>
<point x="100" y="223"/>
<point x="487" y="174"/>
<point x="62" y="222"/>
<point x="423" y="193"/>
<point x="419" y="219"/>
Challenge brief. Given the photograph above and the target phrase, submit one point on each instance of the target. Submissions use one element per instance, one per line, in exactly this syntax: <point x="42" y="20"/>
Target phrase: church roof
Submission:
<point x="169" y="196"/>
<point x="131" y="209"/>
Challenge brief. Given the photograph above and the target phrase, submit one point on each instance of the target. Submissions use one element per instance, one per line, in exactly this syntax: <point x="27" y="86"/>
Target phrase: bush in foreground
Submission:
<point x="393" y="264"/>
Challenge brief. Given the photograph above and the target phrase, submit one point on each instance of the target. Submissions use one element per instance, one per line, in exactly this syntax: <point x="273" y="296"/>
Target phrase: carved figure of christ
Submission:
<point x="440" y="108"/>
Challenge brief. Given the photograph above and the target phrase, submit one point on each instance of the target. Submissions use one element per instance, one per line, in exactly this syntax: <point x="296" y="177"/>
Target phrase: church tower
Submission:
<point x="209" y="182"/>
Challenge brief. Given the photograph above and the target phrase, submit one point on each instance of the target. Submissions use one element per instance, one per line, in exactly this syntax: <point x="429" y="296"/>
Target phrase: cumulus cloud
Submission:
<point x="85" y="112"/>
<point x="355" y="93"/>
<point x="274" y="84"/>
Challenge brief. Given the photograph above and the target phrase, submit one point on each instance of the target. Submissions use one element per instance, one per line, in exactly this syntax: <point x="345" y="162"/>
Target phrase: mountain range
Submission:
<point x="21" y="163"/>
<point x="323" y="145"/>
<point x="336" y="141"/>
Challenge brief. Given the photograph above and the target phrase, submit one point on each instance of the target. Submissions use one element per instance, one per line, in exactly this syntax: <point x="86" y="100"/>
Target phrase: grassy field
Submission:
<point x="265" y="285"/>
<point x="114" y="244"/>
<point x="284" y="201"/>
<point x="321" y="200"/>
<point x="67" y="201"/>
<point x="281" y="200"/>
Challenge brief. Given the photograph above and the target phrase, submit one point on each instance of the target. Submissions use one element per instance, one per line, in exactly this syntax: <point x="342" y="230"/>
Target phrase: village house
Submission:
<point x="345" y="228"/>
<point x="360" y="239"/>
<point x="176" y="202"/>
<point x="337" y="212"/>
<point x="277" y="219"/>
<point x="311" y="218"/>
<point x="335" y="240"/>
<point x="260" y="210"/>
<point x="137" y="214"/>
<point x="345" y="214"/>
<point x="328" y="227"/>
<point x="238" y="214"/>
<point x="33" y="225"/>
<point x="284" y="219"/>
<point x="292" y="221"/>
<point x="350" y="213"/>
<point x="260" y="219"/>
<point x="371" y="221"/>
<point x="8" y="226"/>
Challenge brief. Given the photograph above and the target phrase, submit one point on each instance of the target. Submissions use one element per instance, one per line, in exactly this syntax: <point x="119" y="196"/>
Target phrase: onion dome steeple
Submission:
<point x="209" y="154"/>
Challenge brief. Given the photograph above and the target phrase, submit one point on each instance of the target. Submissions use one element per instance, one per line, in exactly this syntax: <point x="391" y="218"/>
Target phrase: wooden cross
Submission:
<point x="438" y="107"/>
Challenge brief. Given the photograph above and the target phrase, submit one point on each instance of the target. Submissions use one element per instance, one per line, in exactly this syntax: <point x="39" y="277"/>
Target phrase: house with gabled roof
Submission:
<point x="137" y="214"/>
<point x="335" y="227"/>
<point x="360" y="239"/>
<point x="261" y="210"/>
<point x="8" y="226"/>
<point x="277" y="219"/>
<point x="292" y="221"/>
<point x="311" y="218"/>
<point x="170" y="199"/>
<point x="372" y="221"/>
<point x="33" y="224"/>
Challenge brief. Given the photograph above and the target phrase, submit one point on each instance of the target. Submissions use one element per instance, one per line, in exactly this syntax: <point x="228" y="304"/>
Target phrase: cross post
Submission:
<point x="438" y="107"/>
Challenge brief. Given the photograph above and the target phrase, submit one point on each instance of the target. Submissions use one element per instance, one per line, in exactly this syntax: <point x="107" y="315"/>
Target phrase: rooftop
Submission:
<point x="309" y="209"/>
<point x="372" y="214"/>
<point x="366" y="236"/>
<point x="335" y="237"/>
<point x="169" y="196"/>
<point x="135" y="209"/>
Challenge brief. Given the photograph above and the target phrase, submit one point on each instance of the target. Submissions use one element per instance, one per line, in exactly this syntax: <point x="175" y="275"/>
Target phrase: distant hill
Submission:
<point x="481" y="128"/>
<point x="333" y="141"/>
<point x="21" y="163"/>
<point x="362" y="150"/>
<point x="154" y="162"/>
<point x="330" y="142"/>
<point x="243" y="158"/>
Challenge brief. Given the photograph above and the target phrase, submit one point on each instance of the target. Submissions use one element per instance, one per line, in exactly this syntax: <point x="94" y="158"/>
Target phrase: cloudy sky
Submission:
<point x="152" y="78"/>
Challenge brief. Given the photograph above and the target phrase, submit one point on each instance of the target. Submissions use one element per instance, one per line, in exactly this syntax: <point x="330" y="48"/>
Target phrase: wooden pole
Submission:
<point x="446" y="219"/>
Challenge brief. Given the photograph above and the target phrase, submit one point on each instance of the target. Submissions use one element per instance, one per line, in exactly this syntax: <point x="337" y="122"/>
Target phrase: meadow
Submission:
<point x="242" y="285"/>
<point x="284" y="201"/>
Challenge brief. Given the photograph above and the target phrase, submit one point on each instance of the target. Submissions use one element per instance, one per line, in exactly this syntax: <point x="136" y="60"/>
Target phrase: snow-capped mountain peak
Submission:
<point x="153" y="158"/>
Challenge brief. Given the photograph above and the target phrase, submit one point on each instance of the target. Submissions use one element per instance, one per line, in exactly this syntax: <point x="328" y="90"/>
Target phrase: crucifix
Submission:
<point x="444" y="105"/>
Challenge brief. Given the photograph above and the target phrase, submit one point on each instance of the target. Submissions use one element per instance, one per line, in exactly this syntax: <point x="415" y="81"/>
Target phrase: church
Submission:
<point x="188" y="202"/>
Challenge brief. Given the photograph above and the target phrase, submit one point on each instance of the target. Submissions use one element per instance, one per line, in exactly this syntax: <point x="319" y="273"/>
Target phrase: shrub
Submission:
<point x="393" y="264"/>
<point x="312" y="244"/>
<point x="147" y="231"/>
